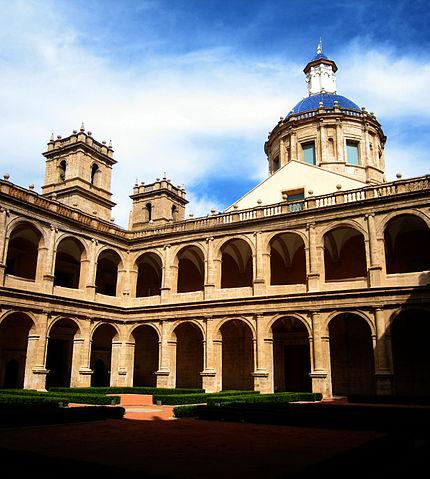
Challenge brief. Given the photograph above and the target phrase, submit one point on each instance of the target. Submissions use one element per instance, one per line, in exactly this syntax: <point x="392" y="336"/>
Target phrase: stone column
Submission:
<point x="122" y="363"/>
<point x="258" y="260"/>
<point x="166" y="374"/>
<point x="313" y="260"/>
<point x="81" y="370"/>
<point x="323" y="142"/>
<point x="35" y="362"/>
<point x="209" y="285"/>
<point x="92" y="271"/>
<point x="375" y="268"/>
<point x="211" y="374"/>
<point x="383" y="369"/>
<point x="340" y="143"/>
<point x="3" y="219"/>
<point x="48" y="262"/>
<point x="293" y="141"/>
<point x="319" y="347"/>
<point x="261" y="371"/>
<point x="167" y="285"/>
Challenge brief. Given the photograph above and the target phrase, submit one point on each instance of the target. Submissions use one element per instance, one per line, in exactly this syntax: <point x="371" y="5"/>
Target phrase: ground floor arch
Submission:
<point x="14" y="331"/>
<point x="101" y="355"/>
<point x="189" y="356"/>
<point x="411" y="360"/>
<point x="237" y="355"/>
<point x="60" y="353"/>
<point x="146" y="356"/>
<point x="291" y="355"/>
<point x="351" y="355"/>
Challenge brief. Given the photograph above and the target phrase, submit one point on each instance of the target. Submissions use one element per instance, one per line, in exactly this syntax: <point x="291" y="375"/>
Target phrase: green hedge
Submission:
<point x="19" y="397"/>
<point x="128" y="390"/>
<point x="22" y="392"/>
<point x="267" y="398"/>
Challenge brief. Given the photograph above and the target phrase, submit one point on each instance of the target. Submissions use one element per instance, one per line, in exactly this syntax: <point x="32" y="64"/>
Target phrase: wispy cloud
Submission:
<point x="204" y="112"/>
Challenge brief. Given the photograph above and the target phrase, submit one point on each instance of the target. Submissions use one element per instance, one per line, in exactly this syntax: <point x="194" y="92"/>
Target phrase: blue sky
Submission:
<point x="193" y="87"/>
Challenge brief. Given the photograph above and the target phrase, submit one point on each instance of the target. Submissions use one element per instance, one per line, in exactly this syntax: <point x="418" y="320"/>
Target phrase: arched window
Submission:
<point x="344" y="254"/>
<point x="62" y="167"/>
<point x="149" y="275"/>
<point x="287" y="259"/>
<point x="191" y="270"/>
<point x="174" y="213"/>
<point x="107" y="272"/>
<point x="407" y="239"/>
<point x="236" y="267"/>
<point x="68" y="263"/>
<point x="23" y="251"/>
<point x="148" y="212"/>
<point x="94" y="170"/>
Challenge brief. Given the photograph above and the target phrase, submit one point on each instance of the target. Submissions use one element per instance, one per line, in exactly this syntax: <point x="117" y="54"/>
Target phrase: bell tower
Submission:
<point x="156" y="204"/>
<point x="78" y="173"/>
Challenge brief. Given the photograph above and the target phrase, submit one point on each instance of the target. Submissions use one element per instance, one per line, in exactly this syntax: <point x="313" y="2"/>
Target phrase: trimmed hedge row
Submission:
<point x="368" y="418"/>
<point x="200" y="398"/>
<point x="16" y="397"/>
<point x="22" y="415"/>
<point x="128" y="390"/>
<point x="266" y="398"/>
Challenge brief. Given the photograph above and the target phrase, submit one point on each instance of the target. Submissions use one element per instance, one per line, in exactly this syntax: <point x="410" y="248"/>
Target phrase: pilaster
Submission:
<point x="374" y="268"/>
<point x="167" y="285"/>
<point x="209" y="286"/>
<point x="313" y="275"/>
<point x="259" y="284"/>
<point x="383" y="370"/>
<point x="320" y="356"/>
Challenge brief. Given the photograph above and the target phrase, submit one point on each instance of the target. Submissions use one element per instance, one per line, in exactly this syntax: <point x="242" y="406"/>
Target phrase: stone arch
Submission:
<point x="149" y="275"/>
<point x="61" y="334"/>
<point x="146" y="354"/>
<point x="15" y="328"/>
<point x="236" y="263"/>
<point x="70" y="257"/>
<point x="101" y="353"/>
<point x="406" y="240"/>
<point x="298" y="317"/>
<point x="287" y="259"/>
<point x="384" y="220"/>
<point x="237" y="355"/>
<point x="190" y="261"/>
<point x="410" y="330"/>
<point x="369" y="320"/>
<point x="291" y="354"/>
<point x="351" y="355"/>
<point x="109" y="262"/>
<point x="344" y="254"/>
<point x="94" y="174"/>
<point x="24" y="242"/>
<point x="189" y="354"/>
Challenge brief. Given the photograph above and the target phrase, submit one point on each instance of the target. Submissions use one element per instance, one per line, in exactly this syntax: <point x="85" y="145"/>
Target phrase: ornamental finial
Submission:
<point x="320" y="47"/>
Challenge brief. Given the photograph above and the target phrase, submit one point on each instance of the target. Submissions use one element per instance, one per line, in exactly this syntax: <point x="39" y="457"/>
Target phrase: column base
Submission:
<point x="384" y="383"/>
<point x="165" y="295"/>
<point x="259" y="287"/>
<point x="320" y="383"/>
<point x="313" y="282"/>
<point x="261" y="381"/>
<point x="90" y="291"/>
<point x="38" y="379"/>
<point x="209" y="381"/>
<point x="2" y="273"/>
<point x="375" y="276"/>
<point x="163" y="378"/>
<point x="209" y="290"/>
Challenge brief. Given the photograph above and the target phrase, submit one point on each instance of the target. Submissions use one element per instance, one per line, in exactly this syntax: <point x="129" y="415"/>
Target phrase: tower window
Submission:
<point x="276" y="164"/>
<point x="352" y="152"/>
<point x="94" y="170"/>
<point x="148" y="208"/>
<point x="62" y="170"/>
<point x="174" y="213"/>
<point x="309" y="153"/>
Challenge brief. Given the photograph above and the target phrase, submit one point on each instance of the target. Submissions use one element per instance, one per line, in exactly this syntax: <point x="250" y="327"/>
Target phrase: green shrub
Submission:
<point x="128" y="390"/>
<point x="186" y="411"/>
<point x="21" y="392"/>
<point x="15" y="399"/>
<point x="55" y="398"/>
<point x="265" y="398"/>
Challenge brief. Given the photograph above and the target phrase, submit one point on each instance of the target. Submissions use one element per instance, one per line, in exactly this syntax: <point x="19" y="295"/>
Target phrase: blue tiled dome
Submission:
<point x="318" y="56"/>
<point x="312" y="103"/>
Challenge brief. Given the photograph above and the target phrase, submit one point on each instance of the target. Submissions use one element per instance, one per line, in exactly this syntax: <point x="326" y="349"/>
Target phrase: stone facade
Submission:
<point x="326" y="293"/>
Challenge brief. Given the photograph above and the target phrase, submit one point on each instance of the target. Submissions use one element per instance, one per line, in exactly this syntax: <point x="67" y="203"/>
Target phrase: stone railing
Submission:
<point x="214" y="220"/>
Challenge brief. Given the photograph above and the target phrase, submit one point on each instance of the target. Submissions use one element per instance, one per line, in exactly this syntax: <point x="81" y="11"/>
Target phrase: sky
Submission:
<point x="192" y="88"/>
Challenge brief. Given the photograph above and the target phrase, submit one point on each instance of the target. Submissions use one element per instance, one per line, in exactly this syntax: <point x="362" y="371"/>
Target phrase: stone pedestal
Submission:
<point x="163" y="378"/>
<point x="209" y="381"/>
<point x="320" y="383"/>
<point x="375" y="276"/>
<point x="384" y="383"/>
<point x="36" y="379"/>
<point x="261" y="381"/>
<point x="313" y="282"/>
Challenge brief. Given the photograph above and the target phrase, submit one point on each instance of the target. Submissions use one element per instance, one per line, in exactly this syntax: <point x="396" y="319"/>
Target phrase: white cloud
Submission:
<point x="159" y="112"/>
